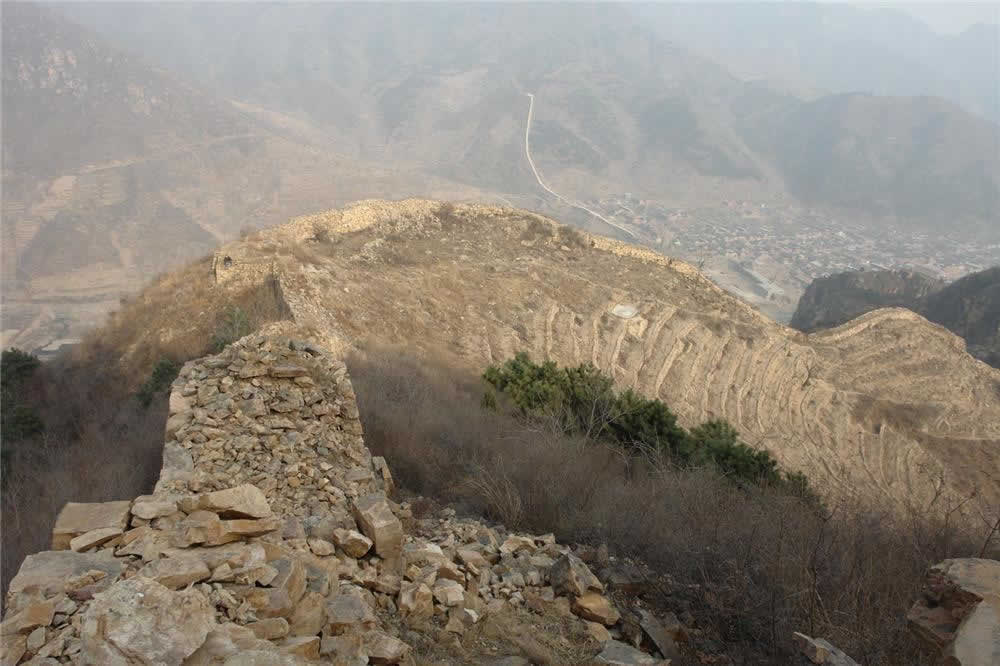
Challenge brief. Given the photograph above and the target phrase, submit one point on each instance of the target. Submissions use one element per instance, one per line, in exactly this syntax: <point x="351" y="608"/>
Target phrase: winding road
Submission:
<point x="538" y="177"/>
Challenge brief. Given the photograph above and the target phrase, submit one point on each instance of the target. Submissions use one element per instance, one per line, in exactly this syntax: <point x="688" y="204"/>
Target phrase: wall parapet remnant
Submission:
<point x="235" y="263"/>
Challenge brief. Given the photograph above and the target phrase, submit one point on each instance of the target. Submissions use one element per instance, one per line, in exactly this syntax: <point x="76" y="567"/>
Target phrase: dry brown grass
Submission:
<point x="176" y="317"/>
<point x="767" y="564"/>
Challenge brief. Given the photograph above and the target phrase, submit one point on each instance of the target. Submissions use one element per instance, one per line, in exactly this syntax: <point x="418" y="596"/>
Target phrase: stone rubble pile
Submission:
<point x="270" y="538"/>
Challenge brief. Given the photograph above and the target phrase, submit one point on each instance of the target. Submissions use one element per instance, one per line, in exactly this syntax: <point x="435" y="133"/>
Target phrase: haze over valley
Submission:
<point x="137" y="136"/>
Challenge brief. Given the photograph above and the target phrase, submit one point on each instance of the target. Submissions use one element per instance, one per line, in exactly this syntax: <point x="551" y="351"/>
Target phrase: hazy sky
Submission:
<point x="950" y="17"/>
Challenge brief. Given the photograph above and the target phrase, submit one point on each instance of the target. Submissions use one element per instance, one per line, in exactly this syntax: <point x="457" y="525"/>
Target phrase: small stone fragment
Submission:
<point x="621" y="654"/>
<point x="306" y="647"/>
<point x="321" y="547"/>
<point x="449" y="592"/>
<point x="93" y="538"/>
<point x="308" y="616"/>
<point x="348" y="611"/>
<point x="36" y="639"/>
<point x="269" y="629"/>
<point x="598" y="631"/>
<point x="245" y="501"/>
<point x="516" y="544"/>
<point x="148" y="507"/>
<point x="176" y="572"/>
<point x="416" y="601"/>
<point x="384" y="649"/>
<point x="595" y="607"/>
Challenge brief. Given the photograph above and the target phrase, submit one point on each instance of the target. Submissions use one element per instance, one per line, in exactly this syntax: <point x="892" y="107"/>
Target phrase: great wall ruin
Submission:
<point x="270" y="538"/>
<point x="273" y="535"/>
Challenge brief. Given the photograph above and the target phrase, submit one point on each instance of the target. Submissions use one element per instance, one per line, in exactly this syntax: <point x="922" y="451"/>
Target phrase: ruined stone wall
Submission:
<point x="274" y="412"/>
<point x="270" y="538"/>
<point x="235" y="263"/>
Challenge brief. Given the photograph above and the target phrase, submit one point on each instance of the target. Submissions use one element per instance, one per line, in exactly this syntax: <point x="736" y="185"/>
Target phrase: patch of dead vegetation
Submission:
<point x="99" y="443"/>
<point x="748" y="566"/>
<point x="535" y="229"/>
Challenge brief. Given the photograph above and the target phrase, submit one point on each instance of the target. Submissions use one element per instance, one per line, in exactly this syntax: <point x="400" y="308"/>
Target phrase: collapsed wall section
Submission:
<point x="270" y="538"/>
<point x="276" y="413"/>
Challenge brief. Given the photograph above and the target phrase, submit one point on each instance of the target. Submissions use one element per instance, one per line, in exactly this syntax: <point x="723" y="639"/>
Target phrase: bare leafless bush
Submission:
<point x="99" y="445"/>
<point x="321" y="234"/>
<point x="536" y="228"/>
<point x="447" y="215"/>
<point x="766" y="563"/>
<point x="571" y="237"/>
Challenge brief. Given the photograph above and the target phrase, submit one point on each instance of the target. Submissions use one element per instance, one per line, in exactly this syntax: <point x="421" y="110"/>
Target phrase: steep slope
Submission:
<point x="968" y="307"/>
<point x="618" y="108"/>
<point x="889" y="406"/>
<point x="114" y="171"/>
<point x="835" y="299"/>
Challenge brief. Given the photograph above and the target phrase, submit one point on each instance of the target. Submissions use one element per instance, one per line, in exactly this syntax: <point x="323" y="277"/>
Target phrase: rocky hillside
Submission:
<point x="270" y="537"/>
<point x="836" y="299"/>
<point x="887" y="407"/>
<point x="969" y="307"/>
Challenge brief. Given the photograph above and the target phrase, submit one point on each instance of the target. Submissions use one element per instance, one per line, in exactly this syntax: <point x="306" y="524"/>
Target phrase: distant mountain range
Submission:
<point x="828" y="48"/>
<point x="159" y="129"/>
<point x="622" y="105"/>
<point x="969" y="307"/>
<point x="114" y="170"/>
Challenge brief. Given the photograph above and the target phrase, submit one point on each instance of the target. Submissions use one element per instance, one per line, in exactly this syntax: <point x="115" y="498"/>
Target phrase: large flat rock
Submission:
<point x="78" y="518"/>
<point x="47" y="572"/>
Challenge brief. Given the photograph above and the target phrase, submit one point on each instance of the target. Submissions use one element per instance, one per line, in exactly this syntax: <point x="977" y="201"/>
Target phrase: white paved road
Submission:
<point x="538" y="177"/>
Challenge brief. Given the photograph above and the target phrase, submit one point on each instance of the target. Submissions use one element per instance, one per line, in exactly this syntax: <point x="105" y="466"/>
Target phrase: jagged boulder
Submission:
<point x="958" y="612"/>
<point x="140" y="621"/>
<point x="570" y="576"/>
<point x="245" y="501"/>
<point x="52" y="572"/>
<point x="380" y="524"/>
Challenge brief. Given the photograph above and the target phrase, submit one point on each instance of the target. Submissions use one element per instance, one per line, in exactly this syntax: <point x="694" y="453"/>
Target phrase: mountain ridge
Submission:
<point x="864" y="410"/>
<point x="969" y="307"/>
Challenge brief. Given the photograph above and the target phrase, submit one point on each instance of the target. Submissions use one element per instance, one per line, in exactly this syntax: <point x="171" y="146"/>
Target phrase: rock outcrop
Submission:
<point x="968" y="307"/>
<point x="834" y="300"/>
<point x="270" y="539"/>
<point x="958" y="613"/>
